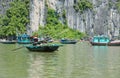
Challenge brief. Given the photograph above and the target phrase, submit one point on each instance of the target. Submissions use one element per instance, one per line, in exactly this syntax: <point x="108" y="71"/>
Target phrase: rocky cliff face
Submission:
<point x="102" y="19"/>
<point x="4" y="4"/>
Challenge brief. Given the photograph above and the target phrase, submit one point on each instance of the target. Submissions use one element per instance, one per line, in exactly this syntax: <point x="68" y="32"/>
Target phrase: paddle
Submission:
<point x="17" y="48"/>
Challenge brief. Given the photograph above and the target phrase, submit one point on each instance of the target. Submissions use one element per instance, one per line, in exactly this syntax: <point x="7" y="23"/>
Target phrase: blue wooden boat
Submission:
<point x="67" y="41"/>
<point x="24" y="39"/>
<point x="43" y="47"/>
<point x="103" y="41"/>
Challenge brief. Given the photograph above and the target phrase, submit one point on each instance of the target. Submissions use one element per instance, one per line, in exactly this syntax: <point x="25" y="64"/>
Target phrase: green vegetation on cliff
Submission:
<point x="56" y="29"/>
<point x="82" y="5"/>
<point x="118" y="6"/>
<point x="16" y="18"/>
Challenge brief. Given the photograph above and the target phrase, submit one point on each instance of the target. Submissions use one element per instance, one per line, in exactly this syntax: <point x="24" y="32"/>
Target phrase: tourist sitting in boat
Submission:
<point x="39" y="41"/>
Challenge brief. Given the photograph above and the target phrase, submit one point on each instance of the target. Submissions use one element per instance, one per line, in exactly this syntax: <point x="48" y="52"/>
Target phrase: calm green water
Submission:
<point x="71" y="61"/>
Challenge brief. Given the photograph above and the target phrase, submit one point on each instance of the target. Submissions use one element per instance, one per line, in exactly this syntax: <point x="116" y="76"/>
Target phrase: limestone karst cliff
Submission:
<point x="104" y="18"/>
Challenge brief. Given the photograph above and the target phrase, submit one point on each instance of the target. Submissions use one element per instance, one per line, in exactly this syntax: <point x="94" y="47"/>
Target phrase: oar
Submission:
<point x="17" y="48"/>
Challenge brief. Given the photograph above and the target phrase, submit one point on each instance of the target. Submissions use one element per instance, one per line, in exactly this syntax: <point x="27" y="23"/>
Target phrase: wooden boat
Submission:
<point x="8" y="42"/>
<point x="105" y="44"/>
<point x="104" y="41"/>
<point x="67" y="41"/>
<point x="43" y="47"/>
<point x="114" y="43"/>
<point x="24" y="39"/>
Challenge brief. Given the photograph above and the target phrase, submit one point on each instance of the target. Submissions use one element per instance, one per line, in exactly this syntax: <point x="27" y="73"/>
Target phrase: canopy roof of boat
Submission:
<point x="101" y="36"/>
<point x="24" y="35"/>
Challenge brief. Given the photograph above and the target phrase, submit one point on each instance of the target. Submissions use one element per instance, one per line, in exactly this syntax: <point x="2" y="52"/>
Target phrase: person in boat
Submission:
<point x="35" y="40"/>
<point x="39" y="41"/>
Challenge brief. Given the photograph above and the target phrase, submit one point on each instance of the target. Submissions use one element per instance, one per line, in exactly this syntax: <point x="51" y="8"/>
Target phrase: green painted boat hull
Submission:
<point x="43" y="48"/>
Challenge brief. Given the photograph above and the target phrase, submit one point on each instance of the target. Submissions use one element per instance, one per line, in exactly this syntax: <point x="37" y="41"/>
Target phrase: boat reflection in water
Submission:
<point x="43" y="65"/>
<point x="106" y="61"/>
<point x="70" y="61"/>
